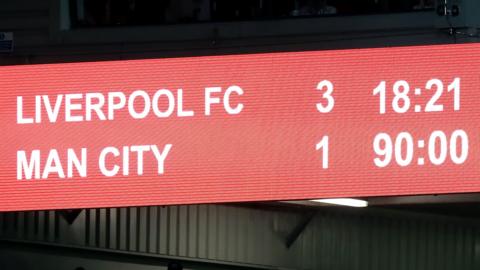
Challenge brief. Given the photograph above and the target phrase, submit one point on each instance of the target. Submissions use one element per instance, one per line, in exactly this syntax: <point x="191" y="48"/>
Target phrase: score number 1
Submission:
<point x="325" y="107"/>
<point x="323" y="145"/>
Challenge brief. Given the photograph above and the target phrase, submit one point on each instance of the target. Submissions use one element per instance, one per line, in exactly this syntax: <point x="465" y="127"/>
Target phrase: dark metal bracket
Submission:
<point x="70" y="215"/>
<point x="299" y="229"/>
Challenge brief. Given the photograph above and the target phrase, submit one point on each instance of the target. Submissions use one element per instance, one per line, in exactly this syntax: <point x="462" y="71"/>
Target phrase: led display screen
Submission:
<point x="236" y="128"/>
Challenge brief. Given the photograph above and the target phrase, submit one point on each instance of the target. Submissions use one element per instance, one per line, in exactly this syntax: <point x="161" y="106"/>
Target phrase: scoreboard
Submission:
<point x="238" y="128"/>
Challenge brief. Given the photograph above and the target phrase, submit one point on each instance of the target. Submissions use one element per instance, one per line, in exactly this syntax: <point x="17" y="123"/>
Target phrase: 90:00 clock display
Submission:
<point x="402" y="148"/>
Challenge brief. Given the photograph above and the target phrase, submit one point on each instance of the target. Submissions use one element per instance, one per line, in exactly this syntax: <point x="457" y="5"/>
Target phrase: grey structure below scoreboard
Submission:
<point x="250" y="237"/>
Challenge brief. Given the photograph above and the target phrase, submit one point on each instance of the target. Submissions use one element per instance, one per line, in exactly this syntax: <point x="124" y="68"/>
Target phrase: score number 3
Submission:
<point x="325" y="107"/>
<point x="326" y="86"/>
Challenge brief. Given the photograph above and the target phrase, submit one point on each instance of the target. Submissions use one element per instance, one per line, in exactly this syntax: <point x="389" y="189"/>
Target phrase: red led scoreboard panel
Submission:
<point x="276" y="126"/>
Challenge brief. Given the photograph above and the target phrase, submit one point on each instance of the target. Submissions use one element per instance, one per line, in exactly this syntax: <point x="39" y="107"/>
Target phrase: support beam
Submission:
<point x="122" y="256"/>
